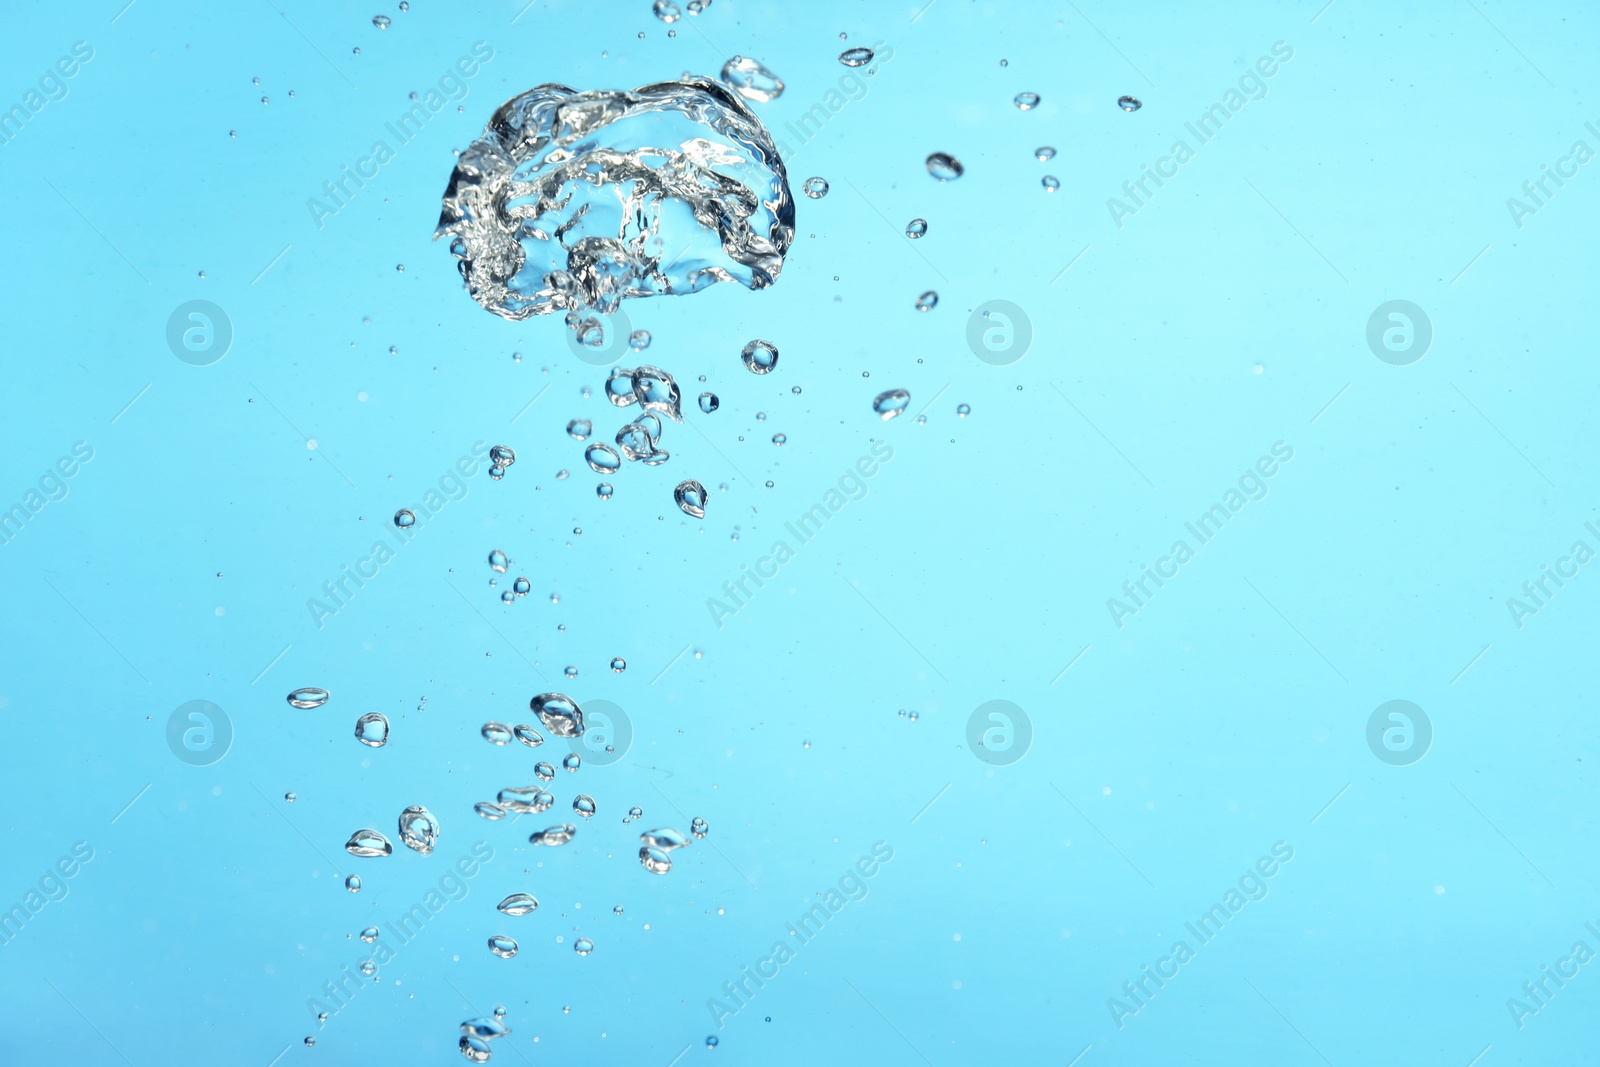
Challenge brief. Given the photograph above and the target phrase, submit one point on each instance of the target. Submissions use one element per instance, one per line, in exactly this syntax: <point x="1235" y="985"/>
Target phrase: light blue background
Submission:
<point x="1222" y="718"/>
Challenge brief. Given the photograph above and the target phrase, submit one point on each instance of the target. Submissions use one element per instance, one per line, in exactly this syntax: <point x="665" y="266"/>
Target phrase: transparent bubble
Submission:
<point x="856" y="57"/>
<point x="760" y="357"/>
<point x="308" y="697"/>
<point x="518" y="904"/>
<point x="1129" y="103"/>
<point x="498" y="561"/>
<point x="1026" y="101"/>
<point x="1044" y="153"/>
<point x="503" y="947"/>
<point x="1050" y="183"/>
<point x="353" y="883"/>
<point x="580" y="429"/>
<point x="690" y="497"/>
<point x="916" y="228"/>
<point x="944" y="166"/>
<point x="927" y="301"/>
<point x="890" y="403"/>
<point x="619" y="664"/>
<point x="583" y="946"/>
<point x="815" y="188"/>
<point x="419" y="829"/>
<point x="602" y="458"/>
<point x="372" y="729"/>
<point x="552" y="836"/>
<point x="963" y="410"/>
<point x="368" y="843"/>
<point x="751" y="80"/>
<point x="603" y="490"/>
<point x="381" y="21"/>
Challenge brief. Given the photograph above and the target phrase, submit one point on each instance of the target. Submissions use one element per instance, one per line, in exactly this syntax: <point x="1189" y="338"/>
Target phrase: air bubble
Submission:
<point x="945" y="167"/>
<point x="517" y="904"/>
<point x="760" y="357"/>
<point x="418" y="829"/>
<point x="372" y="729"/>
<point x="367" y="843"/>
<point x="690" y="497"/>
<point x="751" y="80"/>
<point x="309" y="697"/>
<point x="890" y="403"/>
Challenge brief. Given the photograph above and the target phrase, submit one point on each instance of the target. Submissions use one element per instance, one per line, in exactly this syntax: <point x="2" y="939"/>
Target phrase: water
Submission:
<point x="208" y="524"/>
